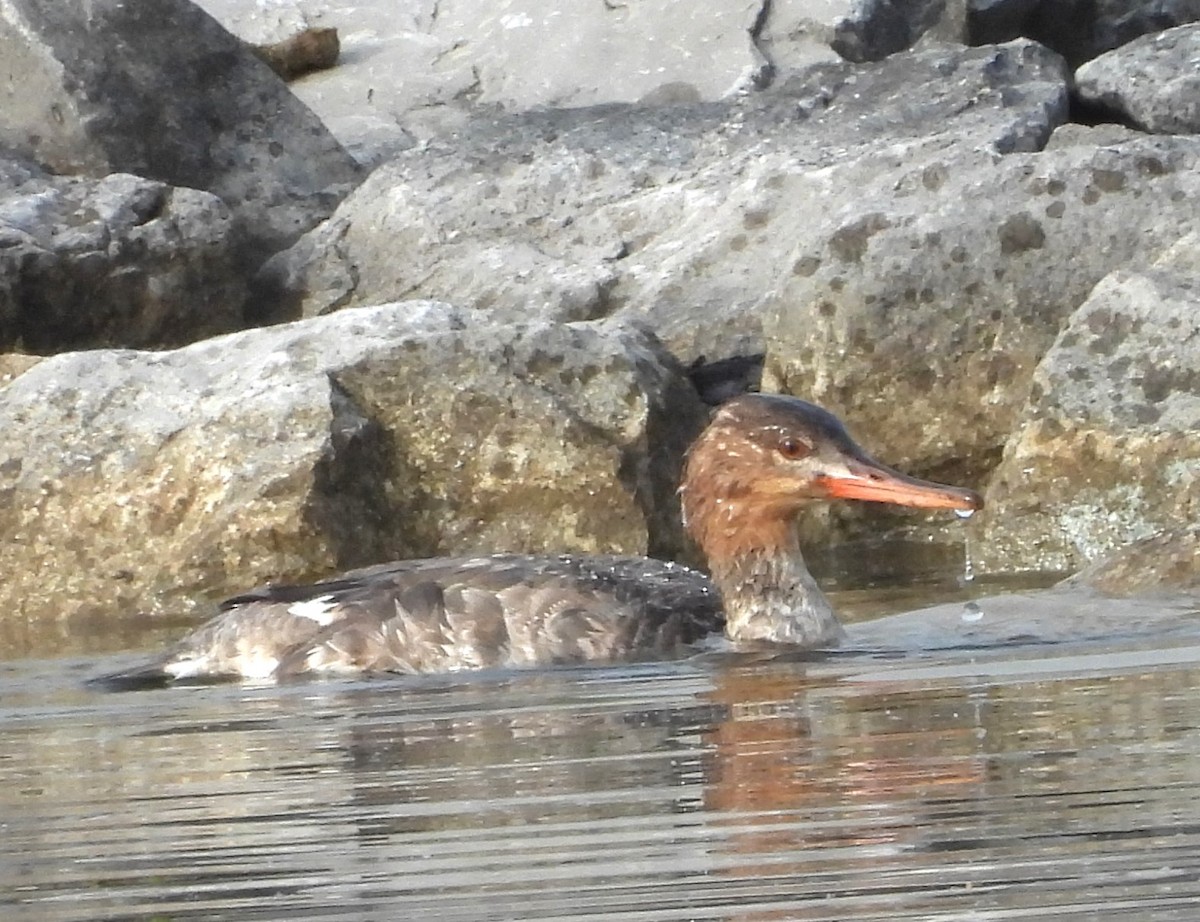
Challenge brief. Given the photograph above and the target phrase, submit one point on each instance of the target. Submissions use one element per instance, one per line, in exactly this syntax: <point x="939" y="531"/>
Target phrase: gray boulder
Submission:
<point x="154" y="481"/>
<point x="1152" y="83"/>
<point x="158" y="89"/>
<point x="922" y="299"/>
<point x="681" y="217"/>
<point x="1105" y="134"/>
<point x="1107" y="451"/>
<point x="448" y="59"/>
<point x="870" y="30"/>
<point x="118" y="261"/>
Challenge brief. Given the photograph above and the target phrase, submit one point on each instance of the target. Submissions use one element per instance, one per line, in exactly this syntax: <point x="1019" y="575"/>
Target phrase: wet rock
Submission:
<point x="118" y="261"/>
<point x="682" y="217"/>
<point x="1067" y="615"/>
<point x="922" y="298"/>
<point x="159" y="89"/>
<point x="1108" y="448"/>
<point x="1165" y="563"/>
<point x="1152" y="83"/>
<point x="152" y="481"/>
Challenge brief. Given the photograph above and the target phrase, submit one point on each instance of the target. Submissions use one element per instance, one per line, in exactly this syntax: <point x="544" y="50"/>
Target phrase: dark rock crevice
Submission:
<point x="350" y="504"/>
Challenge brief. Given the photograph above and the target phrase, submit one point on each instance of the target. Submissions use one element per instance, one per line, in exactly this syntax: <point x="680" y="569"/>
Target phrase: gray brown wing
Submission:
<point x="448" y="615"/>
<point x="245" y="642"/>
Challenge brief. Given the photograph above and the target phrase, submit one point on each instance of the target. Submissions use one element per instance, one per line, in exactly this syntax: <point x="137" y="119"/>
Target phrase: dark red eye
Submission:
<point x="792" y="448"/>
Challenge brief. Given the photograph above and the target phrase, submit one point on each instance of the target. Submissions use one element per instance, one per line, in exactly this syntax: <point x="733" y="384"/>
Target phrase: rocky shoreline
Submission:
<point x="245" y="347"/>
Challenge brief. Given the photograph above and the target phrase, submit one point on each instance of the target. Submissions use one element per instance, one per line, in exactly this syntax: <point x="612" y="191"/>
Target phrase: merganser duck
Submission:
<point x="758" y="461"/>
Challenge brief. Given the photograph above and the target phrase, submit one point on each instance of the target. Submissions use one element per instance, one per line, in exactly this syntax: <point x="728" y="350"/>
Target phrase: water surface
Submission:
<point x="1049" y="779"/>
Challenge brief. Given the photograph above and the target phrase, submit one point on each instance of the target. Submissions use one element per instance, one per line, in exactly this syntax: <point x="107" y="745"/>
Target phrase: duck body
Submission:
<point x="760" y="459"/>
<point x="446" y="614"/>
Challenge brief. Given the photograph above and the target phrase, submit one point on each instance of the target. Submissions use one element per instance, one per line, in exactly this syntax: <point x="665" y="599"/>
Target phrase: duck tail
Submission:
<point x="139" y="678"/>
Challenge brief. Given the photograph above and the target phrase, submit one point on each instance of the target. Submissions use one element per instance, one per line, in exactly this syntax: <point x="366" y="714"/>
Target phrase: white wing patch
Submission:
<point x="322" y="610"/>
<point x="188" y="668"/>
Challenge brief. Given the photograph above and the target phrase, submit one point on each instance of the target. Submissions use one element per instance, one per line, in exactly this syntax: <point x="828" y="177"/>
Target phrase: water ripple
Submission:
<point x="1030" y="783"/>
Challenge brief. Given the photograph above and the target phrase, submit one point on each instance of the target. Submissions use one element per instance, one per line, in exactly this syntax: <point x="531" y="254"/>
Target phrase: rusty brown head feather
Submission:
<point x="764" y="456"/>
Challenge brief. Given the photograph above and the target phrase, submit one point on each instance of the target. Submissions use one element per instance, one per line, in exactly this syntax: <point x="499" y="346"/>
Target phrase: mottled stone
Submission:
<point x="1153" y="83"/>
<point x="1073" y="134"/>
<point x="117" y="261"/>
<point x="154" y="481"/>
<point x="684" y="218"/>
<point x="1107" y="451"/>
<point x="929" y="341"/>
<point x="158" y="89"/>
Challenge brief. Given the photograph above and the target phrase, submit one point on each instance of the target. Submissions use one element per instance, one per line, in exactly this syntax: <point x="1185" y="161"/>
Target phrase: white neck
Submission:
<point x="773" y="598"/>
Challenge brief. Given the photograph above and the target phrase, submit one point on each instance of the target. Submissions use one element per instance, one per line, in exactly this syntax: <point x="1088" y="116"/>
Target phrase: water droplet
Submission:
<point x="972" y="613"/>
<point x="964" y="513"/>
